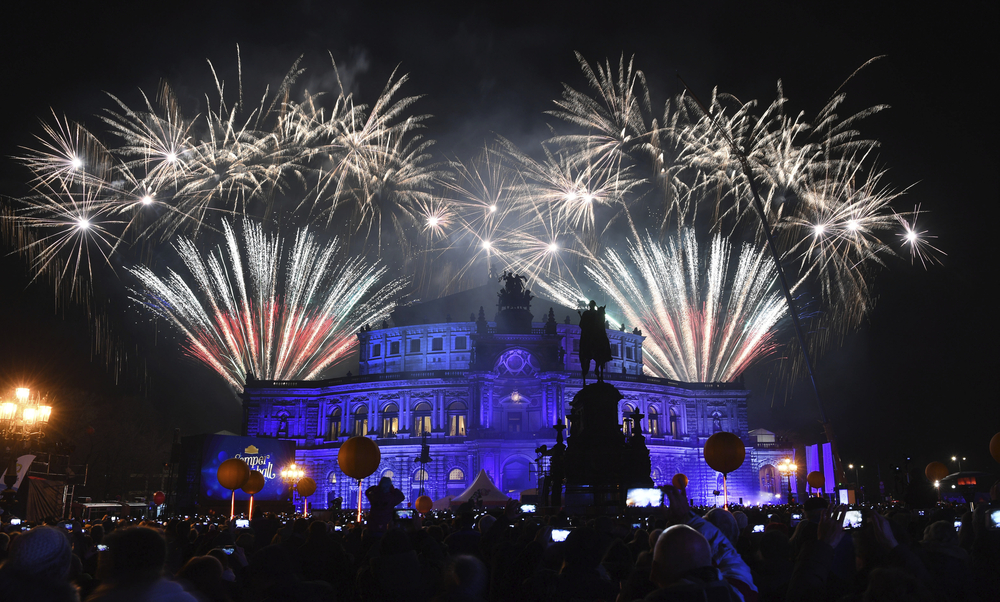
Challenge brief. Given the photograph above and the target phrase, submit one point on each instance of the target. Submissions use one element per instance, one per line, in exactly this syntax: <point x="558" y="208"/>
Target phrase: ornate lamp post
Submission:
<point x="787" y="469"/>
<point x="291" y="475"/>
<point x="22" y="419"/>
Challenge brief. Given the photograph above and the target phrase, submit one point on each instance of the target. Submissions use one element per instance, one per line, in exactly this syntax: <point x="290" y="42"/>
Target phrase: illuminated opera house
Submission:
<point x="482" y="382"/>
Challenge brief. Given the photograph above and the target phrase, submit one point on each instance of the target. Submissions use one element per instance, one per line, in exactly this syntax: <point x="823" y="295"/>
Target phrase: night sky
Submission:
<point x="916" y="380"/>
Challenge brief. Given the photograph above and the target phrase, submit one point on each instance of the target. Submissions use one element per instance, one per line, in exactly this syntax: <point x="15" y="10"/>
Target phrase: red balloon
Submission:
<point x="159" y="497"/>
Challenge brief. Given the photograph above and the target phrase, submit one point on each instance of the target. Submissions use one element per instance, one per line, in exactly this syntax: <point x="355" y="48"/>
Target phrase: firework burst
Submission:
<point x="255" y="307"/>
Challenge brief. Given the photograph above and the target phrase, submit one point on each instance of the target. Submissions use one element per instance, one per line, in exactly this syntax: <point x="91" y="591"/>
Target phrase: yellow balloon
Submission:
<point x="359" y="457"/>
<point x="679" y="481"/>
<point x="935" y="471"/>
<point x="995" y="447"/>
<point x="423" y="504"/>
<point x="725" y="452"/>
<point x="233" y="473"/>
<point x="254" y="484"/>
<point x="306" y="487"/>
<point x="815" y="479"/>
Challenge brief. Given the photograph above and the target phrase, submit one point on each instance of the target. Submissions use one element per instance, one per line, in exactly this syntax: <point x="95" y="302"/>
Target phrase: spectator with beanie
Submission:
<point x="37" y="568"/>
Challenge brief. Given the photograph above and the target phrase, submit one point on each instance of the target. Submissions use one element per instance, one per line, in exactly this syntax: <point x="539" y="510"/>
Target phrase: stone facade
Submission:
<point x="487" y="400"/>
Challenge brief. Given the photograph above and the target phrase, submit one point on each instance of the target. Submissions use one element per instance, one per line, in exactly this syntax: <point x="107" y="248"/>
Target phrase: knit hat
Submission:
<point x="741" y="519"/>
<point x="42" y="552"/>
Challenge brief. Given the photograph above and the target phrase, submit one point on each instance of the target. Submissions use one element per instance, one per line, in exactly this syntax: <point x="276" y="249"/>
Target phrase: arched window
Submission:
<point x="283" y="424"/>
<point x="336" y="422"/>
<point x="361" y="421"/>
<point x="456" y="419"/>
<point x="332" y="478"/>
<point x="422" y="419"/>
<point x="716" y="422"/>
<point x="653" y="418"/>
<point x="675" y="424"/>
<point x="388" y="474"/>
<point x="456" y="474"/>
<point x="626" y="421"/>
<point x="420" y="476"/>
<point x="390" y="420"/>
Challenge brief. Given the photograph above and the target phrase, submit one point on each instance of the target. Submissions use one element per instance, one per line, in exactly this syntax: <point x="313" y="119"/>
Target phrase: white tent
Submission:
<point x="443" y="503"/>
<point x="489" y="494"/>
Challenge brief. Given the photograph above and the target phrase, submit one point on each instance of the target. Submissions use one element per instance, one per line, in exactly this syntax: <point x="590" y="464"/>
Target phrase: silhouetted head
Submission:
<point x="680" y="549"/>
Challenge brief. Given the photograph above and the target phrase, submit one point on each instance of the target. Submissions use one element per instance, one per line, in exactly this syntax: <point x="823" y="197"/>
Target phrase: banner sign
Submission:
<point x="267" y="456"/>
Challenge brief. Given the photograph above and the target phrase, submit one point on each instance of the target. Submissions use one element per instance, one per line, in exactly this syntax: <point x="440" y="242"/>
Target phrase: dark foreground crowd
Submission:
<point x="676" y="554"/>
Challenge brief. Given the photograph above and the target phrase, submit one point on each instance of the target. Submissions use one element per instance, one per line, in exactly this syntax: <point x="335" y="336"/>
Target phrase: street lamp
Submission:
<point x="787" y="469"/>
<point x="291" y="475"/>
<point x="21" y="420"/>
<point x="955" y="459"/>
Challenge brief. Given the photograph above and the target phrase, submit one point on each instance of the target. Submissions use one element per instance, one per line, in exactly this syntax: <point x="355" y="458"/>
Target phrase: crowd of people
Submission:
<point x="770" y="553"/>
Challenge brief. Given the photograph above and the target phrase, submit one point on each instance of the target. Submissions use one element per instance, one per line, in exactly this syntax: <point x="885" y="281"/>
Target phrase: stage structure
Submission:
<point x="489" y="394"/>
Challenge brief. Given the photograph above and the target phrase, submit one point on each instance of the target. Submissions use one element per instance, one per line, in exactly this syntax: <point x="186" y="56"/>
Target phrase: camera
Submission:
<point x="404" y="513"/>
<point x="644" y="497"/>
<point x="102" y="548"/>
<point x="527" y="508"/>
<point x="758" y="528"/>
<point x="242" y="523"/>
<point x="228" y="550"/>
<point x="15" y="521"/>
<point x="993" y="517"/>
<point x="559" y="534"/>
<point x="853" y="519"/>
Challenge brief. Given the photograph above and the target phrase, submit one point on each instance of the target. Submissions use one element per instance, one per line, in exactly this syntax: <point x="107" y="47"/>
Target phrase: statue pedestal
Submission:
<point x="600" y="464"/>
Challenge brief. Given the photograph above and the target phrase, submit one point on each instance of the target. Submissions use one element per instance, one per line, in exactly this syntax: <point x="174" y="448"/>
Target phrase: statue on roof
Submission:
<point x="514" y="294"/>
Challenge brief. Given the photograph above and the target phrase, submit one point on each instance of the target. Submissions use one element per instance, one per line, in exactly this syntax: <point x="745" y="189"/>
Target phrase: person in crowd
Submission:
<point x="683" y="569"/>
<point x="37" y="568"/>
<point x="132" y="569"/>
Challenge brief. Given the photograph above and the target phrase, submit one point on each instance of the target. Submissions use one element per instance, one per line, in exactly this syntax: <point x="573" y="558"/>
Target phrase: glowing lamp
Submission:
<point x="22" y="393"/>
<point x="44" y="413"/>
<point x="8" y="410"/>
<point x="29" y="415"/>
<point x="515" y="397"/>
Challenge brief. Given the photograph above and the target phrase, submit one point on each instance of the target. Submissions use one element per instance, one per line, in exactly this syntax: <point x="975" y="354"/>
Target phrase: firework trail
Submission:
<point x="706" y="316"/>
<point x="255" y="307"/>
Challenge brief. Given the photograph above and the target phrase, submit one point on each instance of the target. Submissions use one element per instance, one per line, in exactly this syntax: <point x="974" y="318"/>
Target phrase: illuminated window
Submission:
<point x="420" y="476"/>
<point x="390" y="420"/>
<point x="335" y="423"/>
<point x="653" y="419"/>
<point x="437" y="344"/>
<point x="626" y="421"/>
<point x="394" y="348"/>
<point x="388" y="474"/>
<point x="414" y="345"/>
<point x="332" y="478"/>
<point x="361" y="421"/>
<point x="422" y="419"/>
<point x="675" y="424"/>
<point x="514" y="422"/>
<point x="460" y="343"/>
<point x="456" y="419"/>
<point x="456" y="474"/>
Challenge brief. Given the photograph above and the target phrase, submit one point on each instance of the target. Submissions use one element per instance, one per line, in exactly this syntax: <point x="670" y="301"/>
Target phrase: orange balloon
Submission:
<point x="995" y="447"/>
<point x="359" y="457"/>
<point x="233" y="473"/>
<point x="255" y="484"/>
<point x="935" y="471"/>
<point x="725" y="452"/>
<point x="679" y="481"/>
<point x="815" y="479"/>
<point x="306" y="487"/>
<point x="423" y="504"/>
